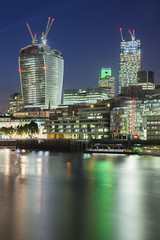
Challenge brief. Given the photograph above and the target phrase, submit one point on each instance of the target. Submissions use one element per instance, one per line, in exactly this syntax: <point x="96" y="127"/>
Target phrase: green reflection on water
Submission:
<point x="99" y="222"/>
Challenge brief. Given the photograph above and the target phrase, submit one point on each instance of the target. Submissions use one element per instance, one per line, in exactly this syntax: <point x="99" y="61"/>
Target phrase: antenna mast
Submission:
<point x="44" y="35"/>
<point x="34" y="39"/>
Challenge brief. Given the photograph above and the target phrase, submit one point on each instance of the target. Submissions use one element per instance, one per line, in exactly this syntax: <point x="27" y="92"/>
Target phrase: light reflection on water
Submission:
<point x="47" y="195"/>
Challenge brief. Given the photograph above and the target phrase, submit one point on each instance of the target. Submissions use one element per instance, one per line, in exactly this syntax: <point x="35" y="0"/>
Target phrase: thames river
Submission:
<point x="65" y="196"/>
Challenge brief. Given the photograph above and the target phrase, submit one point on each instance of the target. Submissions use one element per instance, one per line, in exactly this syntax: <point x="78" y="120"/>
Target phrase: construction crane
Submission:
<point x="121" y="34"/>
<point x="132" y="34"/>
<point x="44" y="35"/>
<point x="34" y="38"/>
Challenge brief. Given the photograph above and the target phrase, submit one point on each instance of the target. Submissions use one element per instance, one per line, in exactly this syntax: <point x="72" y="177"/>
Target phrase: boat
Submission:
<point x="107" y="148"/>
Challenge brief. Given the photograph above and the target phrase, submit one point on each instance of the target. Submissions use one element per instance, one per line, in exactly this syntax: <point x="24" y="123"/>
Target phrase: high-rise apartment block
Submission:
<point x="107" y="81"/>
<point x="130" y="62"/>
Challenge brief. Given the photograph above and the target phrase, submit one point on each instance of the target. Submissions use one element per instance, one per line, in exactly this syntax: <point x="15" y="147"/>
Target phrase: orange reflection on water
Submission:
<point x="69" y="169"/>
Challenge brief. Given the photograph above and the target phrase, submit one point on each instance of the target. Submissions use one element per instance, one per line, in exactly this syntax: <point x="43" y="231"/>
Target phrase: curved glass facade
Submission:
<point x="41" y="74"/>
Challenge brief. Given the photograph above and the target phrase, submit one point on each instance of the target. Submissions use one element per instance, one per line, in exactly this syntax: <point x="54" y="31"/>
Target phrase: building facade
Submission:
<point x="131" y="119"/>
<point x="129" y="63"/>
<point x="123" y="121"/>
<point x="146" y="80"/>
<point x="41" y="75"/>
<point x="79" y="96"/>
<point x="107" y="81"/>
<point x="31" y="113"/>
<point x="15" y="103"/>
<point x="153" y="127"/>
<point x="90" y="122"/>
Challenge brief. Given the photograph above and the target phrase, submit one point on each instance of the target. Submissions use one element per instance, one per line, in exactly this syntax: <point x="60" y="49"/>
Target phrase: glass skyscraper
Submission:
<point x="129" y="64"/>
<point x="41" y="75"/>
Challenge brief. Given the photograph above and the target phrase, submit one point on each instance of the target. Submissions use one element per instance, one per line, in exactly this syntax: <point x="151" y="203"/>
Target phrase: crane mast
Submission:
<point x="48" y="27"/>
<point x="34" y="38"/>
<point x="132" y="34"/>
<point x="121" y="34"/>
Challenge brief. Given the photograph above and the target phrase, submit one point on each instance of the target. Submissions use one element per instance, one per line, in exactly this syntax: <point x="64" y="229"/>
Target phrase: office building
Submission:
<point x="146" y="80"/>
<point x="107" y="81"/>
<point x="153" y="127"/>
<point x="15" y="103"/>
<point x="41" y="72"/>
<point x="96" y="94"/>
<point x="35" y="112"/>
<point x="123" y="121"/>
<point x="74" y="96"/>
<point x="90" y="122"/>
<point x="130" y="62"/>
<point x="79" y="96"/>
<point x="132" y="119"/>
<point x="41" y="75"/>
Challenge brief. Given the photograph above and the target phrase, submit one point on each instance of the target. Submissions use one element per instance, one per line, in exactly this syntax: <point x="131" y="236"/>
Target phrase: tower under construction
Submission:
<point x="130" y="61"/>
<point x="41" y="73"/>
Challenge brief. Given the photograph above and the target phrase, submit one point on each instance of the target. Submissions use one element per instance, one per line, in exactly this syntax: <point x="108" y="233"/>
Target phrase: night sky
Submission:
<point x="85" y="31"/>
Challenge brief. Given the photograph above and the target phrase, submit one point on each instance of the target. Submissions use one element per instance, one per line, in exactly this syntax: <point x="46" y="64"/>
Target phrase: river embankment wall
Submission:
<point x="46" y="144"/>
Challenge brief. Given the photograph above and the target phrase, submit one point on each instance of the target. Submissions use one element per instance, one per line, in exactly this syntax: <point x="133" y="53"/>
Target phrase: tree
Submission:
<point x="28" y="129"/>
<point x="33" y="128"/>
<point x="7" y="131"/>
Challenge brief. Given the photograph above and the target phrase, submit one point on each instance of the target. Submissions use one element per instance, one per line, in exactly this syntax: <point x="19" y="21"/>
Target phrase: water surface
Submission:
<point x="58" y="196"/>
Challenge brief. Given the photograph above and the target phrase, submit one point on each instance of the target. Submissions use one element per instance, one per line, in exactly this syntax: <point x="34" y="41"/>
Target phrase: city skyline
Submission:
<point x="81" y="28"/>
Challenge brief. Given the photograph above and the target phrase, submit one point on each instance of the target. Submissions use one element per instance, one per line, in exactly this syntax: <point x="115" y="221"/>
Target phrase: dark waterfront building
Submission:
<point x="138" y="92"/>
<point x="41" y="75"/>
<point x="132" y="91"/>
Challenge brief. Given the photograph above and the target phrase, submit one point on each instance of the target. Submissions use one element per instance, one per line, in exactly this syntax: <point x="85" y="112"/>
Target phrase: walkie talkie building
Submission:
<point x="130" y="62"/>
<point x="41" y="75"/>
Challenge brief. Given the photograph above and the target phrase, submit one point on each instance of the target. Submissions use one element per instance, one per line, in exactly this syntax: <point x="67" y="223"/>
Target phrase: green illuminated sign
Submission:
<point x="105" y="72"/>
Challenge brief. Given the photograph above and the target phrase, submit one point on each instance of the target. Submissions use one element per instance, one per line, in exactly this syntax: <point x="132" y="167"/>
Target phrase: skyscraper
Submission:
<point x="130" y="61"/>
<point x="107" y="81"/>
<point x="41" y="73"/>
